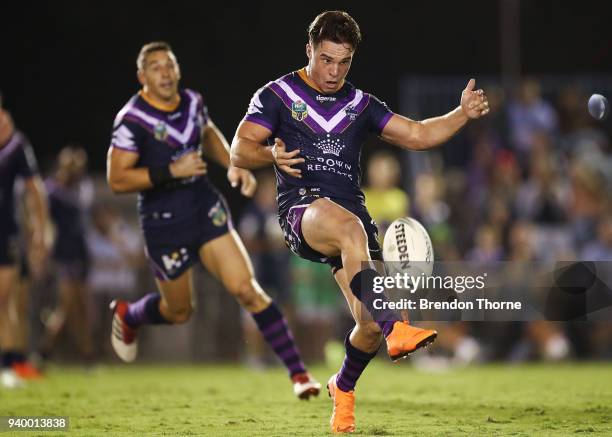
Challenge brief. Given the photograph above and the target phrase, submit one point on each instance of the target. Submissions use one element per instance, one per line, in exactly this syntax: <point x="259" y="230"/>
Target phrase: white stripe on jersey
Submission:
<point x="327" y="126"/>
<point x="124" y="138"/>
<point x="180" y="137"/>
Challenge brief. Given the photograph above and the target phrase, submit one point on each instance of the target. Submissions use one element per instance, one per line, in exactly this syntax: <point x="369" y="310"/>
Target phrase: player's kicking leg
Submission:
<point x="171" y="306"/>
<point x="226" y="258"/>
<point x="332" y="230"/>
<point x="320" y="225"/>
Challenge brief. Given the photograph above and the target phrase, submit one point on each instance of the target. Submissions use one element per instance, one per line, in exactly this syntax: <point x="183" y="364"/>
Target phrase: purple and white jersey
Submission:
<point x="329" y="129"/>
<point x="16" y="161"/>
<point x="160" y="137"/>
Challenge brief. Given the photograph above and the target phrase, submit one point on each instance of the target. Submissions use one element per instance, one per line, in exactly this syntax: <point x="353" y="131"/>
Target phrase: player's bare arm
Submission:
<point x="250" y="151"/>
<point x="124" y="177"/>
<point x="216" y="147"/>
<point x="422" y="135"/>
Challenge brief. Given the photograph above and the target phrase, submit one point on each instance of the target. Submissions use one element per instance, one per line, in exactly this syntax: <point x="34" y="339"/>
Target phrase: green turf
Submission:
<point x="392" y="400"/>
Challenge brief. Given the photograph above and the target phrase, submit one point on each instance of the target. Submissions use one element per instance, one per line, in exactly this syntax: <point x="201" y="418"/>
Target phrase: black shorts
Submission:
<point x="174" y="248"/>
<point x="9" y="249"/>
<point x="291" y="223"/>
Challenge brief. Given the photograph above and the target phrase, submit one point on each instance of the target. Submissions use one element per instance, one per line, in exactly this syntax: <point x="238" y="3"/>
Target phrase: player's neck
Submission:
<point x="160" y="104"/>
<point x="306" y="77"/>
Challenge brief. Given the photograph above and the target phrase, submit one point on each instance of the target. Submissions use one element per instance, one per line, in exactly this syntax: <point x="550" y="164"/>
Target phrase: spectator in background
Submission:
<point x="70" y="196"/>
<point x="264" y="241"/>
<point x="543" y="196"/>
<point x="529" y="114"/>
<point x="317" y="304"/>
<point x="116" y="255"/>
<point x="384" y="199"/>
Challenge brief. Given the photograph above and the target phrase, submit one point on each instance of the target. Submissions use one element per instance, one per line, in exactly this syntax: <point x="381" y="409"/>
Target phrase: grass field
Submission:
<point x="391" y="400"/>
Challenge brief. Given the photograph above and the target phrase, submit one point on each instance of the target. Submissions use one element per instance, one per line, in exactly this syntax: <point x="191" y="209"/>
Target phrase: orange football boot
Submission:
<point x="26" y="370"/>
<point x="343" y="415"/>
<point x="405" y="339"/>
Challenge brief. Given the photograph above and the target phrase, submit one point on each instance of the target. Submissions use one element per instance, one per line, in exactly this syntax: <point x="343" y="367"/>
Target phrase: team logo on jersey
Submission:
<point x="160" y="131"/>
<point x="217" y="214"/>
<point x="175" y="260"/>
<point x="299" y="111"/>
<point x="350" y="112"/>
<point x="329" y="145"/>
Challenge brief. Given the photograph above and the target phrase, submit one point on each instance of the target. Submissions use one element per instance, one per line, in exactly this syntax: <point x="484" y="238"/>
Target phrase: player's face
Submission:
<point x="160" y="75"/>
<point x="328" y="64"/>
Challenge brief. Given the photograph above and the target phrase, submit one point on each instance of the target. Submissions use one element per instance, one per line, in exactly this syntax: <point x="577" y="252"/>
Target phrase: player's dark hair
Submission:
<point x="151" y="47"/>
<point x="335" y="26"/>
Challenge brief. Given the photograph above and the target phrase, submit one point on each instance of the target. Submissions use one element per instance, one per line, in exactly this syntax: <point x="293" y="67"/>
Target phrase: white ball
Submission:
<point x="407" y="248"/>
<point x="598" y="106"/>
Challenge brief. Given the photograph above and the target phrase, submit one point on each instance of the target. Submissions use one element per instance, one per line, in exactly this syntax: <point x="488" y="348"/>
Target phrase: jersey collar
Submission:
<point x="157" y="105"/>
<point x="308" y="81"/>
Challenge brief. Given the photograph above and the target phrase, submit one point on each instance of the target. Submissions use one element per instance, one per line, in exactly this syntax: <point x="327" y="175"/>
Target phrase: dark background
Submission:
<point x="70" y="66"/>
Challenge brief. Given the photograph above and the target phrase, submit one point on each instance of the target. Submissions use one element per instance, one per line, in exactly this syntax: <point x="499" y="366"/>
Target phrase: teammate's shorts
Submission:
<point x="174" y="248"/>
<point x="9" y="249"/>
<point x="291" y="223"/>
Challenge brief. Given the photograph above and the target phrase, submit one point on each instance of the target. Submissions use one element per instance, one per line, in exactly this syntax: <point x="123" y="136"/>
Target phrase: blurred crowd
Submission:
<point x="537" y="187"/>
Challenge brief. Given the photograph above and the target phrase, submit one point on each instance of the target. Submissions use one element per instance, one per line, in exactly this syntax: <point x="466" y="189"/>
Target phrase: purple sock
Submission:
<point x="353" y="366"/>
<point x="275" y="330"/>
<point x="362" y="286"/>
<point x="145" y="311"/>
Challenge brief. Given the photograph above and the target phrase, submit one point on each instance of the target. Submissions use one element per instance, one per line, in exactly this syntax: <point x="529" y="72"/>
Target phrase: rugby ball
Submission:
<point x="407" y="248"/>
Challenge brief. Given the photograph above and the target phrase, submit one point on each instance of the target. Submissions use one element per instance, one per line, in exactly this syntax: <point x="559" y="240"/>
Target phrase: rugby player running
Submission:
<point x="156" y="147"/>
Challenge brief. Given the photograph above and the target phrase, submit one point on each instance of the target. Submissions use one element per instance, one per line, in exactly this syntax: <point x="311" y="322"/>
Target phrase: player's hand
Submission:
<point x="284" y="160"/>
<point x="242" y="178"/>
<point x="474" y="103"/>
<point x="188" y="165"/>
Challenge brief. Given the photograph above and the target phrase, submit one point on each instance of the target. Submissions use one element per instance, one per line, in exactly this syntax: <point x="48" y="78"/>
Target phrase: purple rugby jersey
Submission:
<point x="329" y="129"/>
<point x="160" y="137"/>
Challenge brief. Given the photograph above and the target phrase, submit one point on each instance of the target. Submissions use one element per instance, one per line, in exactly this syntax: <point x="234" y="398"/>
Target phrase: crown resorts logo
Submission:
<point x="330" y="146"/>
<point x="299" y="111"/>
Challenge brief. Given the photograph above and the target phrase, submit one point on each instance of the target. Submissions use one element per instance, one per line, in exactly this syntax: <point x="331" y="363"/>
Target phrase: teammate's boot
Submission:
<point x="9" y="379"/>
<point x="405" y="339"/>
<point x="305" y="386"/>
<point x="343" y="415"/>
<point x="123" y="337"/>
<point x="25" y="370"/>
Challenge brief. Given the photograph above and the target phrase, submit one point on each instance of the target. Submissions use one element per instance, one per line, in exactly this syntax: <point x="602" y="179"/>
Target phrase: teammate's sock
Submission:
<point x="362" y="286"/>
<point x="275" y="330"/>
<point x="353" y="366"/>
<point x="145" y="311"/>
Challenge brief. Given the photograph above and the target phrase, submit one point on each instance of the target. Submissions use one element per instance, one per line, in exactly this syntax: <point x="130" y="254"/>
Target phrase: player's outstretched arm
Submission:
<point x="124" y="177"/>
<point x="422" y="135"/>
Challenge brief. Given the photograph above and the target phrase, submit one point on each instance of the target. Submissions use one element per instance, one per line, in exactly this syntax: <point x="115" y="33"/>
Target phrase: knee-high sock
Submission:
<point x="145" y="311"/>
<point x="353" y="366"/>
<point x="275" y="330"/>
<point x="362" y="286"/>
